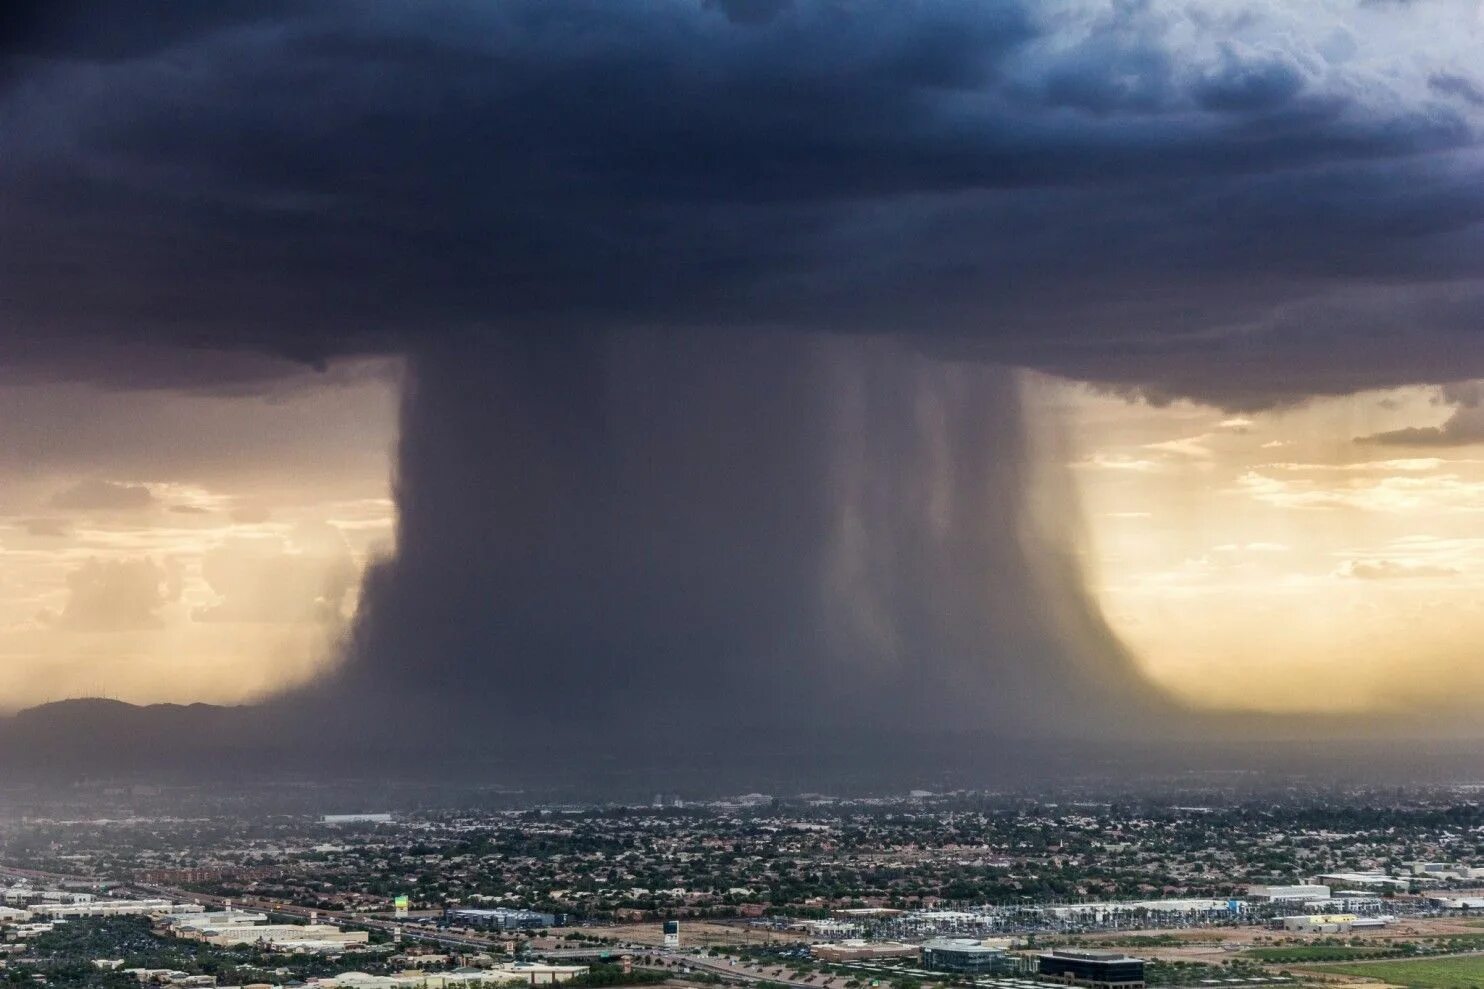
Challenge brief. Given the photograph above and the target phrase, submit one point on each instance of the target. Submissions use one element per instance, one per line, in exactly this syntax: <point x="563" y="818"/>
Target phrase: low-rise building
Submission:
<point x="1319" y="923"/>
<point x="1094" y="969"/>
<point x="1284" y="894"/>
<point x="287" y="937"/>
<point x="964" y="956"/>
<point x="1363" y="880"/>
<point x="113" y="908"/>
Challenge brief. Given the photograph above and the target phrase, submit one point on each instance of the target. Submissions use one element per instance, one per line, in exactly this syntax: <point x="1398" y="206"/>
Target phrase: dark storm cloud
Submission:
<point x="1086" y="190"/>
<point x="1462" y="87"/>
<point x="1463" y="427"/>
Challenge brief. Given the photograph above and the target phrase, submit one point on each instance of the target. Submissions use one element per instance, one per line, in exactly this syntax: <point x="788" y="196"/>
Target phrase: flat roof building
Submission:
<point x="1320" y="923"/>
<point x="965" y="956"/>
<point x="1094" y="969"/>
<point x="1278" y="894"/>
<point x="1364" y="879"/>
<point x="113" y="908"/>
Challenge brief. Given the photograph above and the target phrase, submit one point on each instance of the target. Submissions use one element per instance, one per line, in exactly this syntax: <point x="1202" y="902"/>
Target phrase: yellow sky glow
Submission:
<point x="1271" y="561"/>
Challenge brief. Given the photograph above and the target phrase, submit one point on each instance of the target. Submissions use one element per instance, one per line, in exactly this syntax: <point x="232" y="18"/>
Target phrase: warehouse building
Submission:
<point x="1094" y="969"/>
<point x="1289" y="894"/>
<point x="112" y="908"/>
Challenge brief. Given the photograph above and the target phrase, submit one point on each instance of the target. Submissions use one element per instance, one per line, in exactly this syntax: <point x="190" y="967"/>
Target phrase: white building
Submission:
<point x="286" y="937"/>
<point x="1444" y="870"/>
<point x="1367" y="880"/>
<point x="1289" y="894"/>
<point x="113" y="908"/>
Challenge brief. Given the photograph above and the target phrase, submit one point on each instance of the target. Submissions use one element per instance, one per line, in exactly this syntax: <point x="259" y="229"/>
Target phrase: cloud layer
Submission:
<point x="1245" y="202"/>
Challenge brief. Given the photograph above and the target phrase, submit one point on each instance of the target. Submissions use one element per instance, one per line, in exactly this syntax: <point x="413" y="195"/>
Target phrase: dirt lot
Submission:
<point x="1212" y="944"/>
<point x="697" y="933"/>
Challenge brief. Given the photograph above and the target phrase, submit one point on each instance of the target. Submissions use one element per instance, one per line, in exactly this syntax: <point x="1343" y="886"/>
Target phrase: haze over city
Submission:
<point x="725" y="385"/>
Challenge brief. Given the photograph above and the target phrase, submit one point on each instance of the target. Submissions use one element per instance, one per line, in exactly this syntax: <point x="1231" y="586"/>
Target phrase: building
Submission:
<point x="855" y="949"/>
<point x="473" y="978"/>
<point x="305" y="938"/>
<point x="1445" y="870"/>
<point x="230" y="928"/>
<point x="1289" y="894"/>
<point x="1364" y="880"/>
<point x="218" y="918"/>
<point x="1320" y="923"/>
<point x="1456" y="902"/>
<point x="500" y="918"/>
<point x="113" y="908"/>
<point x="537" y="974"/>
<point x="1095" y="969"/>
<point x="357" y="819"/>
<point x="672" y="933"/>
<point x="1371" y="923"/>
<point x="964" y="956"/>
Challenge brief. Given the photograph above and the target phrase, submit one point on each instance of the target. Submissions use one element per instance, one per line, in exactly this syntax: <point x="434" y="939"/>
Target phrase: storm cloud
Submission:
<point x="708" y="306"/>
<point x="1245" y="203"/>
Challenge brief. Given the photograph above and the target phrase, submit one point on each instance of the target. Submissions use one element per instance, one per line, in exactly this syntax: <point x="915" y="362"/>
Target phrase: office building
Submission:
<point x="1093" y="969"/>
<point x="964" y="956"/>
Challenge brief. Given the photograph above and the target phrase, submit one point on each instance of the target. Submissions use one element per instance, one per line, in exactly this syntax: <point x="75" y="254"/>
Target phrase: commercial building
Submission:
<point x="1289" y="894"/>
<point x="1364" y="880"/>
<point x="964" y="956"/>
<point x="1094" y="969"/>
<point x="529" y="973"/>
<point x="220" y="918"/>
<point x="537" y="974"/>
<point x="855" y="950"/>
<point x="500" y="918"/>
<point x="1320" y="923"/>
<point x="230" y="928"/>
<point x="113" y="908"/>
<point x="284" y="937"/>
<point x="1445" y="870"/>
<point x="1456" y="902"/>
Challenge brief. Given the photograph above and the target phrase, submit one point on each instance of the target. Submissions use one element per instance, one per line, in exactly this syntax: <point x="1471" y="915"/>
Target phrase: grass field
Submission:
<point x="1316" y="953"/>
<point x="1425" y="973"/>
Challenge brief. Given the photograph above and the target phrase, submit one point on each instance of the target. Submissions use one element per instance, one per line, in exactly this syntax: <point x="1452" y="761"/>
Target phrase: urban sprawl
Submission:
<point x="924" y="891"/>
